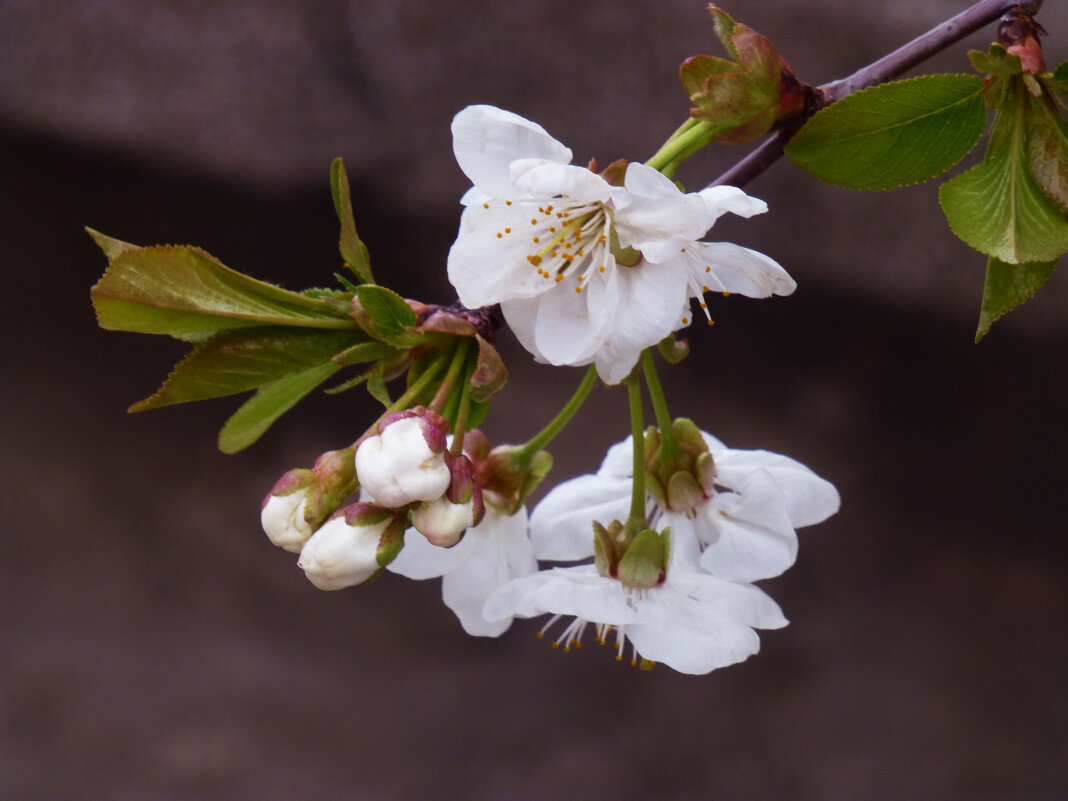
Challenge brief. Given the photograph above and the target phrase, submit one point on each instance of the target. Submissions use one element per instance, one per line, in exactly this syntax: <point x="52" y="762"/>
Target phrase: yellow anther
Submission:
<point x="685" y="321"/>
<point x="508" y="203"/>
<point x="708" y="269"/>
<point x="485" y="205"/>
<point x="533" y="221"/>
<point x="500" y="235"/>
<point x="552" y="229"/>
<point x="726" y="294"/>
<point x="711" y="322"/>
<point x="558" y="278"/>
<point x="705" y="289"/>
<point x="508" y="230"/>
<point x="537" y="239"/>
<point x="600" y="269"/>
<point x="534" y="259"/>
<point x="578" y="289"/>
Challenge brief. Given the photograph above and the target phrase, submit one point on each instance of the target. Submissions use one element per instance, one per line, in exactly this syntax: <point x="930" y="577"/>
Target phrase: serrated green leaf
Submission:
<point x="186" y="293"/>
<point x="997" y="62"/>
<point x="238" y="361"/>
<point x="112" y="247"/>
<point x="269" y="403"/>
<point x="1006" y="287"/>
<point x="996" y="207"/>
<point x="352" y="249"/>
<point x="894" y="134"/>
<point x="386" y="316"/>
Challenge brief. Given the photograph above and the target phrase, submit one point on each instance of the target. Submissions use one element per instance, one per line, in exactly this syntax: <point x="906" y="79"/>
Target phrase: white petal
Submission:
<point x="738" y="270"/>
<point x="748" y="534"/>
<point x="809" y="498"/>
<point x="561" y="525"/>
<point x="642" y="309"/>
<point x="545" y="179"/>
<point x="723" y="199"/>
<point x="688" y="636"/>
<point x="742" y="602"/>
<point x="486" y="269"/>
<point x="576" y="591"/>
<point x="486" y="140"/>
<point x="618" y="461"/>
<point x="504" y="552"/>
<point x="419" y="559"/>
<point x="564" y="332"/>
<point x="651" y="209"/>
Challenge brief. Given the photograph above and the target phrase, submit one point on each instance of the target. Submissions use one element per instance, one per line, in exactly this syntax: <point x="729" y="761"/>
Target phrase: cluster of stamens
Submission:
<point x="572" y="636"/>
<point x="566" y="242"/>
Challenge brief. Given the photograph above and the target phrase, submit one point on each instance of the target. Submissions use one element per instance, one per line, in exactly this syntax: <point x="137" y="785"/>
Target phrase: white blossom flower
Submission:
<point x="746" y="529"/>
<point x="586" y="271"/>
<point x="405" y="462"/>
<point x="490" y="554"/>
<point x="693" y="622"/>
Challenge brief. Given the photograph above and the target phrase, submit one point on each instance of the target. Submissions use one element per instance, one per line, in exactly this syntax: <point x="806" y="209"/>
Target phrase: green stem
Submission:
<point x="637" y="434"/>
<point x="405" y="400"/>
<point x="669" y="446"/>
<point x="524" y="454"/>
<point x="690" y="137"/>
<point x="462" y="412"/>
<point x="456" y="367"/>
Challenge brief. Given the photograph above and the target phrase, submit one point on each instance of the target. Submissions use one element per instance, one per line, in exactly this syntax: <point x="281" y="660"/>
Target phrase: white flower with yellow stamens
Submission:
<point x="586" y="271"/>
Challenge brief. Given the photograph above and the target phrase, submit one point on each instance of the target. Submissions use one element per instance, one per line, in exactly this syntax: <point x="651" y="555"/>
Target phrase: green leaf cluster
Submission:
<point x="1011" y="207"/>
<point x="249" y="335"/>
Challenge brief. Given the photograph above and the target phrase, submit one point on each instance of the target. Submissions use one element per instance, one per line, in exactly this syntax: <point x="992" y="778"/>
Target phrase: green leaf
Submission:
<point x="353" y="251"/>
<point x="112" y="247"/>
<point x="376" y="386"/>
<point x="242" y="360"/>
<point x="384" y="315"/>
<point x="998" y="62"/>
<point x="188" y="294"/>
<point x="1048" y="149"/>
<point x="1006" y="287"/>
<point x="996" y="207"/>
<point x="895" y="134"/>
<point x="269" y="403"/>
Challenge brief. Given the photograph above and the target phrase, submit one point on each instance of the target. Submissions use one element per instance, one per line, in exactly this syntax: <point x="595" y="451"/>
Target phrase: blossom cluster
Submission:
<point x="660" y="548"/>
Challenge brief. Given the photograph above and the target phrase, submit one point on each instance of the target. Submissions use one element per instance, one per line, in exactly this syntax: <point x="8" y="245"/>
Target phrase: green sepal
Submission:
<point x="384" y="315"/>
<point x="392" y="540"/>
<point x="644" y="564"/>
<point x="188" y="294"/>
<point x="997" y="207"/>
<point x="376" y="386"/>
<point x="238" y="361"/>
<point x="352" y="249"/>
<point x="894" y="134"/>
<point x="604" y="551"/>
<point x="269" y="403"/>
<point x="673" y="350"/>
<point x="1006" y="287"/>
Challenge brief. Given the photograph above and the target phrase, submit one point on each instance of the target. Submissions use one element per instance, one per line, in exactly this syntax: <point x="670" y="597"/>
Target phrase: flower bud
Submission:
<point x="444" y="520"/>
<point x="680" y="476"/>
<point x="505" y="480"/>
<point x="352" y="546"/>
<point x="302" y="499"/>
<point x="405" y="461"/>
<point x="636" y="556"/>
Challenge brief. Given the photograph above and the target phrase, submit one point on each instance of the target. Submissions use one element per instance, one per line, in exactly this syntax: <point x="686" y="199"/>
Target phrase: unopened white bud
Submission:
<point x="340" y="555"/>
<point x="399" y="466"/>
<point x="284" y="521"/>
<point x="441" y="521"/>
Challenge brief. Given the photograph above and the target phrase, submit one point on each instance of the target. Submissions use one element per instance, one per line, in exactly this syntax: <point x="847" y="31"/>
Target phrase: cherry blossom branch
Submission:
<point x="886" y="68"/>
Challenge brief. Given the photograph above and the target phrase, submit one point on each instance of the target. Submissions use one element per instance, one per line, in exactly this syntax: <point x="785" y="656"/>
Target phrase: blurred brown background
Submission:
<point x="154" y="645"/>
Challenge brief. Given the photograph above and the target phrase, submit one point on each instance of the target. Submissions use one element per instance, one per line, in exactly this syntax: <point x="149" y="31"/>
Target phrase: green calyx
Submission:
<point x="637" y="557"/>
<point x="679" y="470"/>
